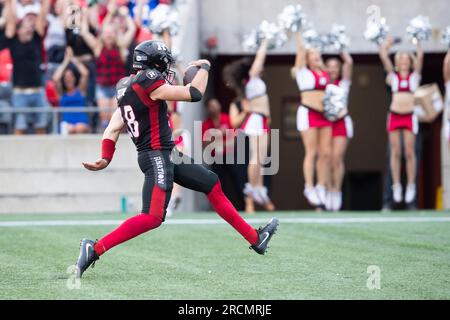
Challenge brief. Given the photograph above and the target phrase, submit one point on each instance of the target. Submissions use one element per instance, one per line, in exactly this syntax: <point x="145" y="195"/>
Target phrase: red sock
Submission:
<point x="227" y="211"/>
<point x="129" y="229"/>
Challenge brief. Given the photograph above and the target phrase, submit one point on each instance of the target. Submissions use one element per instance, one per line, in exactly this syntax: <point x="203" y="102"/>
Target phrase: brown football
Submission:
<point x="189" y="74"/>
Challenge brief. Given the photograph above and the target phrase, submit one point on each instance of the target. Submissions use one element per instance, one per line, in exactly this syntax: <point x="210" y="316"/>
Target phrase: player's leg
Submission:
<point x="42" y="118"/>
<point x="158" y="182"/>
<point x="339" y="147"/>
<point x="263" y="147"/>
<point x="395" y="160"/>
<point x="323" y="163"/>
<point x="410" y="155"/>
<point x="156" y="192"/>
<point x="254" y="170"/>
<point x="19" y="100"/>
<point x="197" y="177"/>
<point x="310" y="143"/>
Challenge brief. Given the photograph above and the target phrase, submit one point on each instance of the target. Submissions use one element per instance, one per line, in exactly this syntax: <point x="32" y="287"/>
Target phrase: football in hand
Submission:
<point x="189" y="74"/>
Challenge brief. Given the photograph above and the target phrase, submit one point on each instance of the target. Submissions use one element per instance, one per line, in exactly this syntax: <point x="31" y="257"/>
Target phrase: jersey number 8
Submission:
<point x="133" y="125"/>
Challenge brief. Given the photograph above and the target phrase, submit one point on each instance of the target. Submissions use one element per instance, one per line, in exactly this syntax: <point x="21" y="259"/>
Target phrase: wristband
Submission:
<point x="108" y="148"/>
<point x="205" y="66"/>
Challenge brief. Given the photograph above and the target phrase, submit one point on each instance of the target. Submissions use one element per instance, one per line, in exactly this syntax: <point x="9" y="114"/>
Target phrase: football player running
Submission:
<point x="142" y="109"/>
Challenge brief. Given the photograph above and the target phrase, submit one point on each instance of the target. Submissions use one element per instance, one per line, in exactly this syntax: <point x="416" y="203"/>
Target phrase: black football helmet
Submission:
<point x="154" y="54"/>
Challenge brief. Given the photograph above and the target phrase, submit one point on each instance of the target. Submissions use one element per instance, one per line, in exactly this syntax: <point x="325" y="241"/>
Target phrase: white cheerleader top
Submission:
<point x="408" y="84"/>
<point x="308" y="79"/>
<point x="255" y="88"/>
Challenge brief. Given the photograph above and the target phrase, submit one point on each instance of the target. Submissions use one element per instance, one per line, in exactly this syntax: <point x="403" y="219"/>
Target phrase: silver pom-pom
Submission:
<point x="315" y="40"/>
<point x="446" y="36"/>
<point x="376" y="31"/>
<point x="266" y="30"/>
<point x="337" y="38"/>
<point x="292" y="18"/>
<point x="164" y="17"/>
<point x="419" y="28"/>
<point x="335" y="102"/>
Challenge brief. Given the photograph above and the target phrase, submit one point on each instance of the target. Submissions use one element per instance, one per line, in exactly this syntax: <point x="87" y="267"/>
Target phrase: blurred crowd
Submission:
<point x="66" y="53"/>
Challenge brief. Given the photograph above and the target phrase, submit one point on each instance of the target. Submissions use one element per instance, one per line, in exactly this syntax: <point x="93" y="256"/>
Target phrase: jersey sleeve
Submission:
<point x="150" y="80"/>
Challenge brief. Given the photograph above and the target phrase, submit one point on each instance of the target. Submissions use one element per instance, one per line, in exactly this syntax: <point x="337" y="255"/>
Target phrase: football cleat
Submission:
<point x="87" y="257"/>
<point x="264" y="236"/>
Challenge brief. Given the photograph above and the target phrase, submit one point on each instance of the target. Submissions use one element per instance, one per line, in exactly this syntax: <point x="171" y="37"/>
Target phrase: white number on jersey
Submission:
<point x="133" y="125"/>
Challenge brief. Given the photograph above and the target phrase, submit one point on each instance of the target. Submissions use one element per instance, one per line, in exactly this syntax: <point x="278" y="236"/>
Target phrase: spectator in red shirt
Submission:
<point x="110" y="52"/>
<point x="24" y="40"/>
<point x="237" y="172"/>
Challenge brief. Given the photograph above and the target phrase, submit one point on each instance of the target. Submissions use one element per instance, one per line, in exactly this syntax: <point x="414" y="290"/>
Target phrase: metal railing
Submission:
<point x="55" y="113"/>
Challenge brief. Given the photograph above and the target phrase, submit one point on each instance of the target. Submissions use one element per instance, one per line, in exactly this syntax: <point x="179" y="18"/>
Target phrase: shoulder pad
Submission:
<point x="147" y="78"/>
<point x="124" y="82"/>
<point x="153" y="74"/>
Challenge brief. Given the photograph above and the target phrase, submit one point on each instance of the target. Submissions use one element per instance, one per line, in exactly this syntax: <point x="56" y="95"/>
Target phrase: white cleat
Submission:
<point x="337" y="200"/>
<point x="312" y="197"/>
<point x="263" y="194"/>
<point x="410" y="194"/>
<point x="329" y="203"/>
<point x="253" y="193"/>
<point x="322" y="194"/>
<point x="397" y="192"/>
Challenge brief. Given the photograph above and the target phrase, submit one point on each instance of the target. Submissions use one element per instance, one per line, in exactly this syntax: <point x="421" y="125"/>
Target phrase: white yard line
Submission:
<point x="51" y="223"/>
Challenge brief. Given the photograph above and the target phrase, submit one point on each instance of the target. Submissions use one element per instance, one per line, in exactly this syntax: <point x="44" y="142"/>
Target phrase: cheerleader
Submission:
<point x="312" y="79"/>
<point x="404" y="78"/>
<point x="244" y="76"/>
<point x="446" y="73"/>
<point x="341" y="130"/>
<point x="238" y="112"/>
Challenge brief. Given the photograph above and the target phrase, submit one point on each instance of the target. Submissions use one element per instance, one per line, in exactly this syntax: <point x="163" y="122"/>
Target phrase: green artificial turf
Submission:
<point x="305" y="261"/>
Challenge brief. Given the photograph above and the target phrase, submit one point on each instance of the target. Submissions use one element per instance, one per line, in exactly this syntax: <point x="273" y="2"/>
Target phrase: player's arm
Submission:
<point x="10" y="18"/>
<point x="236" y="117"/>
<point x="127" y="38"/>
<point x="300" y="57"/>
<point x="41" y="21"/>
<point x="93" y="43"/>
<point x="111" y="10"/>
<point x="418" y="61"/>
<point x="347" y="67"/>
<point x="139" y="12"/>
<point x="167" y="39"/>
<point x="384" y="56"/>
<point x="192" y="92"/>
<point x="258" y="64"/>
<point x="58" y="74"/>
<point x="84" y="74"/>
<point x="446" y="67"/>
<point x="110" y="137"/>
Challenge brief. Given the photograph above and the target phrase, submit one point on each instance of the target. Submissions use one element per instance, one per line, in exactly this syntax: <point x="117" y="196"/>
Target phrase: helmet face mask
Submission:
<point x="154" y="55"/>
